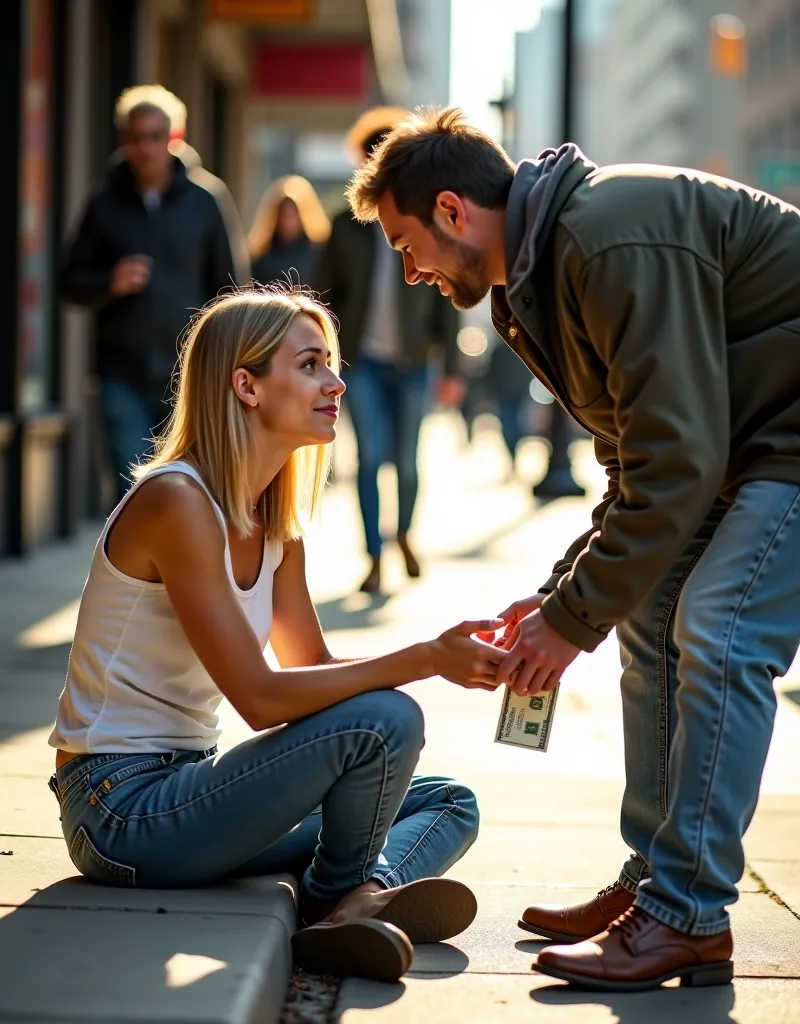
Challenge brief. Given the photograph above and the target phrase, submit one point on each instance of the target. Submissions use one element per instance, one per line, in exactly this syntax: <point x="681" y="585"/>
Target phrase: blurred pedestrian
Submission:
<point x="508" y="382"/>
<point x="388" y="332"/>
<point x="151" y="248"/>
<point x="660" y="306"/>
<point x="288" y="232"/>
<point x="202" y="564"/>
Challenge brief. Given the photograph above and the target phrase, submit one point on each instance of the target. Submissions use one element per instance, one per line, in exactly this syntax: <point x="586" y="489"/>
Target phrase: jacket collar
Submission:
<point x="122" y="181"/>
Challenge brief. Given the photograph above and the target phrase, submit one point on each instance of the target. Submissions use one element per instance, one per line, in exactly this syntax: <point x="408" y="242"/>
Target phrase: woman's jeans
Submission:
<point x="699" y="657"/>
<point x="331" y="796"/>
<point x="386" y="405"/>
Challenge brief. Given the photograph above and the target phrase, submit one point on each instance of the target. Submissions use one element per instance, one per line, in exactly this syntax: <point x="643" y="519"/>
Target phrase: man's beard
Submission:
<point x="472" y="283"/>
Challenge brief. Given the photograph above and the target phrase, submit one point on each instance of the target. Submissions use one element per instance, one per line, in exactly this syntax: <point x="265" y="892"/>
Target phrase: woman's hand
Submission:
<point x="463" y="660"/>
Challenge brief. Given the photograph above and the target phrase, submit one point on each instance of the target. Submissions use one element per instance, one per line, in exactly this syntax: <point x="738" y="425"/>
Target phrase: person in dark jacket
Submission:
<point x="387" y="333"/>
<point x="152" y="248"/>
<point x="660" y="307"/>
<point x="289" y="229"/>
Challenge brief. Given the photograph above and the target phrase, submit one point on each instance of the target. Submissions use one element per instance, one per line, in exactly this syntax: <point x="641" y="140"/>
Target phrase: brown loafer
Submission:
<point x="361" y="948"/>
<point x="637" y="953"/>
<point x="584" y="921"/>
<point x="430" y="909"/>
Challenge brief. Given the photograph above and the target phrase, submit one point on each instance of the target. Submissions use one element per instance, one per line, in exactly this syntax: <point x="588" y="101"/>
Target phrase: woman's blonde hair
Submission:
<point x="208" y="426"/>
<point x="313" y="218"/>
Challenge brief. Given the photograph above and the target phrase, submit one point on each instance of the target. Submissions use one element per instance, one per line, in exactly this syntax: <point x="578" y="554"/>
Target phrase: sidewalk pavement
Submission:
<point x="549" y="822"/>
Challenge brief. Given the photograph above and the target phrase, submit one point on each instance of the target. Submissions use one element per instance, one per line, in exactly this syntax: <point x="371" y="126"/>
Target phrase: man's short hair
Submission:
<point x="428" y="153"/>
<point x="151" y="99"/>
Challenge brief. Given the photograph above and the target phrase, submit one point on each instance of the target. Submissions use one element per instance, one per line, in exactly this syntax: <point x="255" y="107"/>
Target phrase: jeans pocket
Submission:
<point x="102" y="783"/>
<point x="94" y="866"/>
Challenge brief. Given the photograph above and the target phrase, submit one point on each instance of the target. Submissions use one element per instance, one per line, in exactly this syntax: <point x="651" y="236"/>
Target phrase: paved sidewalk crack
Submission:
<point x="774" y="896"/>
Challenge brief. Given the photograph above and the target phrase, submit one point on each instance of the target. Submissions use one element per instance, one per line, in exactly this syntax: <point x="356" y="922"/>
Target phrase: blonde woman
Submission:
<point x="197" y="568"/>
<point x="289" y="228"/>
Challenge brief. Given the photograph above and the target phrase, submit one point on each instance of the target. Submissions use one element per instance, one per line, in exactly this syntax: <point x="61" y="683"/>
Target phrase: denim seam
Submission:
<point x="224" y="785"/>
<point x="628" y="883"/>
<point x="725" y="693"/>
<point x="663" y="680"/>
<point x="420" y="840"/>
<point x="673" y="920"/>
<point x="85" y="770"/>
<point x="378" y="809"/>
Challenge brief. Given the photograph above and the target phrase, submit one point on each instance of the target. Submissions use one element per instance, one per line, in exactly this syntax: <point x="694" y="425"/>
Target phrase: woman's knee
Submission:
<point x="394" y="715"/>
<point x="467" y="808"/>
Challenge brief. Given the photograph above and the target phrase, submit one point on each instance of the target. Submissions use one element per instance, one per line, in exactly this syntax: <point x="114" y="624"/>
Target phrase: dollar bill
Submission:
<point x="526" y="721"/>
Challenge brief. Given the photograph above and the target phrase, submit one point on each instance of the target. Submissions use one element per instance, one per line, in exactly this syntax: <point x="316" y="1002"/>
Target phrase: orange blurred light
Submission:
<point x="728" y="44"/>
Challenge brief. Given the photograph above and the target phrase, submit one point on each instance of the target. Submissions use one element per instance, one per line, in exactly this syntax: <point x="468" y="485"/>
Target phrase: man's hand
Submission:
<point x="450" y="390"/>
<point x="130" y="275"/>
<point x="511" y="616"/>
<point x="537" y="656"/>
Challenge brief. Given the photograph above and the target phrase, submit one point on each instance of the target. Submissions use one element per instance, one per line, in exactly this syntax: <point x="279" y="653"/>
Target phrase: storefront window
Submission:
<point x="36" y="293"/>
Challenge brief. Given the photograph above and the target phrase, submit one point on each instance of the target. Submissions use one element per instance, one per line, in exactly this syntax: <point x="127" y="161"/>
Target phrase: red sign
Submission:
<point x="263" y="12"/>
<point x="333" y="71"/>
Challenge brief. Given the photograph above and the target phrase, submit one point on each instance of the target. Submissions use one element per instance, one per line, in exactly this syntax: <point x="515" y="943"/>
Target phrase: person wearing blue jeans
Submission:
<point x="131" y="417"/>
<point x="387" y="404"/>
<point x="197" y="569"/>
<point x="390" y="336"/>
<point x="659" y="306"/>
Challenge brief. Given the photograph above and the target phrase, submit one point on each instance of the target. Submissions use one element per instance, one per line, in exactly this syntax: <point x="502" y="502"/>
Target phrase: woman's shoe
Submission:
<point x="431" y="909"/>
<point x="361" y="948"/>
<point x="412" y="565"/>
<point x="372" y="583"/>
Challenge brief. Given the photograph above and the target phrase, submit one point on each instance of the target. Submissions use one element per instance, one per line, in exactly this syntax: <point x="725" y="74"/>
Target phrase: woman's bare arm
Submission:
<point x="183" y="538"/>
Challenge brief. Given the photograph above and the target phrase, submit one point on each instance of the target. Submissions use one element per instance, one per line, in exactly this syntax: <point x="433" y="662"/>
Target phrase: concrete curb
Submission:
<point x="79" y="952"/>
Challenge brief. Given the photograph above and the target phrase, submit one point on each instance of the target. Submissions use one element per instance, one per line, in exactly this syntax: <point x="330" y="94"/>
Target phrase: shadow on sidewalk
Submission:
<point x="661" y="1006"/>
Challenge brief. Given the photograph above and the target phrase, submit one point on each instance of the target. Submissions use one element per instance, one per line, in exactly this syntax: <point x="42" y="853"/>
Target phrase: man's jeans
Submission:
<point x="331" y="797"/>
<point x="386" y="405"/>
<point x="699" y="658"/>
<point x="130" y="417"/>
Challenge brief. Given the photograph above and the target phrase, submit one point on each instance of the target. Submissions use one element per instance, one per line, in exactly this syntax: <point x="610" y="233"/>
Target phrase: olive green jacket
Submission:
<point x="663" y="312"/>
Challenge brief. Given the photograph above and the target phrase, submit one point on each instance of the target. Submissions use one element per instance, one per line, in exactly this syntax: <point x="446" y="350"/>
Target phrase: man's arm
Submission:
<point x="85" y="278"/>
<point x="655" y="316"/>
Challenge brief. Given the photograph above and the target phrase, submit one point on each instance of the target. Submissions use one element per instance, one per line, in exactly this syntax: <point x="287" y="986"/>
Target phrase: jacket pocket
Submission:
<point x="94" y="866"/>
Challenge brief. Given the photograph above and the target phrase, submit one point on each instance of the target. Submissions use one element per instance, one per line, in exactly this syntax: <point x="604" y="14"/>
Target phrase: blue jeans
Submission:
<point x="130" y="416"/>
<point x="699" y="657"/>
<point x="386" y="404"/>
<point x="331" y="797"/>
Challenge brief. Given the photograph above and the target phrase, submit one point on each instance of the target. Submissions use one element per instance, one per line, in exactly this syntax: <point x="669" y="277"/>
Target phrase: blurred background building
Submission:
<point x="271" y="87"/>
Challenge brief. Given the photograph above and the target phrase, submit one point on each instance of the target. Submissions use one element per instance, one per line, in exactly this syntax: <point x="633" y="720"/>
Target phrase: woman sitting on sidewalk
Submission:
<point x="197" y="568"/>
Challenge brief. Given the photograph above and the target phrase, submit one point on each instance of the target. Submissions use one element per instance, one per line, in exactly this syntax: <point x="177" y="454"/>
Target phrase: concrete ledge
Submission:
<point x="73" y="951"/>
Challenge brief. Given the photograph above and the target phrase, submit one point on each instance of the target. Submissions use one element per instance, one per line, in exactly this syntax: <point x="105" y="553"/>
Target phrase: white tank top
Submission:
<point x="134" y="682"/>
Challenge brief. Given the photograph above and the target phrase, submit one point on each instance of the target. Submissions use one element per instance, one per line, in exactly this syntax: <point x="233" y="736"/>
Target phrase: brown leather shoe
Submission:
<point x="638" y="953"/>
<point x="571" y="924"/>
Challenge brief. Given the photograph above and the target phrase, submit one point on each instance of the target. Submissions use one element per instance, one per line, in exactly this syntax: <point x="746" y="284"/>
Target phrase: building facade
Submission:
<point x="671" y="94"/>
<point x="65" y="62"/>
<point x="772" y="111"/>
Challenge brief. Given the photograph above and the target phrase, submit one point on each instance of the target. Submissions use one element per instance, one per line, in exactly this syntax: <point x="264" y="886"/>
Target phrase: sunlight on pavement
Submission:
<point x="184" y="969"/>
<point x="55" y="629"/>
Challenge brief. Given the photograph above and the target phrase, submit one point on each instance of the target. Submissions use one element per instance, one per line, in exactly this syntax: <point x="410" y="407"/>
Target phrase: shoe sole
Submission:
<point x="566" y="940"/>
<point x="431" y="909"/>
<point x="363" y="948"/>
<point x="720" y="973"/>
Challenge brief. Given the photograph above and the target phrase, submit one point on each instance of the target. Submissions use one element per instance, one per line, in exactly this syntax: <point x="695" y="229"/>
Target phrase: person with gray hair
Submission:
<point x="152" y="246"/>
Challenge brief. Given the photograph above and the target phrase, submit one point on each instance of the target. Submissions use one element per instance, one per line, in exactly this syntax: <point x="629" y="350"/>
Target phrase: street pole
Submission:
<point x="558" y="481"/>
